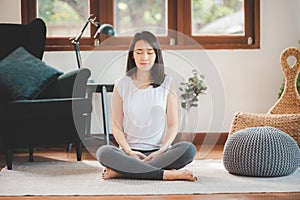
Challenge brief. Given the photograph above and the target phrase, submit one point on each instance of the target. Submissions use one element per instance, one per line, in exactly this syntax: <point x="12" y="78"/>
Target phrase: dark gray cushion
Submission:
<point x="261" y="152"/>
<point x="23" y="76"/>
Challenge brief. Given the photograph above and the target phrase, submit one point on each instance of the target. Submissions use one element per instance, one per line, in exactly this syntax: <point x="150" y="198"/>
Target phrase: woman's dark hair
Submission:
<point x="158" y="69"/>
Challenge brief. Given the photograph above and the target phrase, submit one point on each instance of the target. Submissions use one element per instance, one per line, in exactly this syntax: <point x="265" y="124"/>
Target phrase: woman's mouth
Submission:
<point x="144" y="64"/>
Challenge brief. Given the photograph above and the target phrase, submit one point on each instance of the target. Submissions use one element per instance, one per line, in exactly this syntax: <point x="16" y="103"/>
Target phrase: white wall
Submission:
<point x="10" y="11"/>
<point x="238" y="80"/>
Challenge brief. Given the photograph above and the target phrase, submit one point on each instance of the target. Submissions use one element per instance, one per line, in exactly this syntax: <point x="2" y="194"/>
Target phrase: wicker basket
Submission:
<point x="288" y="123"/>
<point x="285" y="114"/>
<point x="289" y="102"/>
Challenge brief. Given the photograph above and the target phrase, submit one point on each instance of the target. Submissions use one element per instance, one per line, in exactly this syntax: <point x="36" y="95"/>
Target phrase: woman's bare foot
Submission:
<point x="179" y="175"/>
<point x="110" y="174"/>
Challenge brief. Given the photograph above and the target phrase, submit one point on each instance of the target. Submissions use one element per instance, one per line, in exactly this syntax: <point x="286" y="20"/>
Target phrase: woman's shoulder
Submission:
<point x="168" y="81"/>
<point x="168" y="78"/>
<point x="122" y="84"/>
<point x="122" y="80"/>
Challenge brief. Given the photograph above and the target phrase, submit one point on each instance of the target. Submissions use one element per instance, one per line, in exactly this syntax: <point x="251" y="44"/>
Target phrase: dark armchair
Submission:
<point x="53" y="115"/>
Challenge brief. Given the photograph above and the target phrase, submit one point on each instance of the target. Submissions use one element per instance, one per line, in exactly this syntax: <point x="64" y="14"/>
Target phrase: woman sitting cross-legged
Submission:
<point x="145" y="120"/>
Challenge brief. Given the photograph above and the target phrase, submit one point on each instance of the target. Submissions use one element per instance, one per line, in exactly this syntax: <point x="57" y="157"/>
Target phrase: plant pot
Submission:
<point x="186" y="129"/>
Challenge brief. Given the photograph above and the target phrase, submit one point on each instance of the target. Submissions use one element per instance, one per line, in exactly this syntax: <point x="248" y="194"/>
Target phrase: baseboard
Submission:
<point x="199" y="139"/>
<point x="210" y="138"/>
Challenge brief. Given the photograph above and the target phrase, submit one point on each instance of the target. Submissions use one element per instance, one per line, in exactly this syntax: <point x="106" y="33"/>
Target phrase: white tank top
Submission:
<point x="144" y="122"/>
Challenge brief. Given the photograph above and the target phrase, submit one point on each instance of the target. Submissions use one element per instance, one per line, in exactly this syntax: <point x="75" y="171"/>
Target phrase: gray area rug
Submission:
<point x="84" y="178"/>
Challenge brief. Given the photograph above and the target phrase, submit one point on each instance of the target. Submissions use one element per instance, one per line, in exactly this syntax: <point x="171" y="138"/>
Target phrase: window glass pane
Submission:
<point x="64" y="18"/>
<point x="217" y="17"/>
<point x="130" y="15"/>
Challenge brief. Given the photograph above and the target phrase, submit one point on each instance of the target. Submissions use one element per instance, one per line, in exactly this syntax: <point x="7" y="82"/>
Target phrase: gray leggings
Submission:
<point x="176" y="157"/>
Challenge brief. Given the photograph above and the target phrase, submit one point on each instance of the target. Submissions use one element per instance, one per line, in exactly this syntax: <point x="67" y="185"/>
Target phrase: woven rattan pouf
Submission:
<point x="261" y="152"/>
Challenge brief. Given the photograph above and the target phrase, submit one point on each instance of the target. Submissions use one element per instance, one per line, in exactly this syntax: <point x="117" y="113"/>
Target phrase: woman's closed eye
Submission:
<point x="150" y="51"/>
<point x="139" y="52"/>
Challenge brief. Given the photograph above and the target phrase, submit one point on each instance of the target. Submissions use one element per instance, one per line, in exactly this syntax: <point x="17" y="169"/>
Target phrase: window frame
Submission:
<point x="179" y="20"/>
<point x="250" y="40"/>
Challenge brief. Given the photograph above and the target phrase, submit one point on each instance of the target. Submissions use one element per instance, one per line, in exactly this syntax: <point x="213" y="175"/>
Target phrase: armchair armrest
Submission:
<point x="71" y="84"/>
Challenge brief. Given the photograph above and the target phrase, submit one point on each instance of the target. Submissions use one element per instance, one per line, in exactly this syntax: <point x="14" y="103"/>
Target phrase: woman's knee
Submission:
<point x="188" y="148"/>
<point x="186" y="145"/>
<point x="104" y="152"/>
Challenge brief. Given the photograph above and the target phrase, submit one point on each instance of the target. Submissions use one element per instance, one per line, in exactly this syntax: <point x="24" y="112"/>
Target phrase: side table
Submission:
<point x="102" y="88"/>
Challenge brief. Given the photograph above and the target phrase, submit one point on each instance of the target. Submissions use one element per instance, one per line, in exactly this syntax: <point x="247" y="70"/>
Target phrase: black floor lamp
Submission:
<point x="101" y="28"/>
<point x="106" y="29"/>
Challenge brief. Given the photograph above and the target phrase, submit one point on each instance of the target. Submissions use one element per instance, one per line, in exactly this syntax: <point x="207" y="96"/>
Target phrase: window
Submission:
<point x="132" y="15"/>
<point x="217" y="17"/>
<point x="63" y="18"/>
<point x="214" y="24"/>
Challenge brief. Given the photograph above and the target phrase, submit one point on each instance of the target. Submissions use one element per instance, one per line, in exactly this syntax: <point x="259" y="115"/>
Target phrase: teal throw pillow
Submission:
<point x="23" y="76"/>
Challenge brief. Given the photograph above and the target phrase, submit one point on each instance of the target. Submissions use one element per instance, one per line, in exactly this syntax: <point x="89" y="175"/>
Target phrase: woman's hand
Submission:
<point x="152" y="156"/>
<point x="136" y="154"/>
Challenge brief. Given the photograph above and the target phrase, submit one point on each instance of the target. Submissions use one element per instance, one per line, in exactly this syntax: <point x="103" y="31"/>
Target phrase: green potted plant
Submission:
<point x="191" y="90"/>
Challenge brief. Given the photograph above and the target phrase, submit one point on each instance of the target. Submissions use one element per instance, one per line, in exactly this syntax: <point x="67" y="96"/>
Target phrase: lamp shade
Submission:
<point x="106" y="29"/>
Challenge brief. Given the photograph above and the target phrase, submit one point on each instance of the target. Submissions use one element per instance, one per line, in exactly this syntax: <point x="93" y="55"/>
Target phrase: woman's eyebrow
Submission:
<point x="141" y="49"/>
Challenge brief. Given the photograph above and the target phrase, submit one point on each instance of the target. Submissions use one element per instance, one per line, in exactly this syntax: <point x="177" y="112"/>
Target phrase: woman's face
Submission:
<point x="143" y="55"/>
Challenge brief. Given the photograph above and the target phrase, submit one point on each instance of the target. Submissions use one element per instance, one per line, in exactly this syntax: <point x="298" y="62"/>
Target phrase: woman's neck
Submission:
<point x="143" y="77"/>
<point x="142" y="80"/>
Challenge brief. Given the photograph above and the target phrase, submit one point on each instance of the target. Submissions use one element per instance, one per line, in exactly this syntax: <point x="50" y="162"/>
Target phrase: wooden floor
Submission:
<point x="207" y="152"/>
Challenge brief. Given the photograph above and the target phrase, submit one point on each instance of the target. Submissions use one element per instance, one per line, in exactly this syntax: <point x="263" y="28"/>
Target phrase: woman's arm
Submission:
<point x="117" y="125"/>
<point x="172" y="118"/>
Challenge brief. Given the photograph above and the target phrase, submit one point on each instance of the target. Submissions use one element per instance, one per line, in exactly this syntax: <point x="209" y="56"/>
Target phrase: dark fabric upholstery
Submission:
<point x="31" y="36"/>
<point x="23" y="76"/>
<point x="57" y="115"/>
<point x="67" y="85"/>
<point x="42" y="122"/>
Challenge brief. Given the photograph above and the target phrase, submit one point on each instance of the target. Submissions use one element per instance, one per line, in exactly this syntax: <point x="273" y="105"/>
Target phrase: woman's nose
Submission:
<point x="145" y="56"/>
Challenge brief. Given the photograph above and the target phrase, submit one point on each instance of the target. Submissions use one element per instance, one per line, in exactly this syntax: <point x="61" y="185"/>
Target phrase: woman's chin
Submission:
<point x="145" y="68"/>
